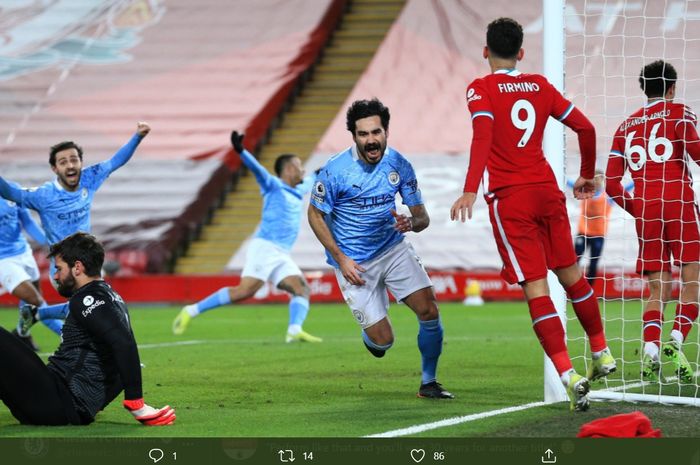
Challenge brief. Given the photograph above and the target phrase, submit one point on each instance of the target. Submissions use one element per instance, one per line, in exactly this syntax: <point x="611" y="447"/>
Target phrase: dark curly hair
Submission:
<point x="69" y="144"/>
<point x="656" y="78"/>
<point x="364" y="109"/>
<point x="82" y="247"/>
<point x="504" y="37"/>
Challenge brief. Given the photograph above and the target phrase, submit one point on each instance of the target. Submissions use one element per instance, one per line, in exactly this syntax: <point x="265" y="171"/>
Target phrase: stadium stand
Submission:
<point x="326" y="85"/>
<point x="420" y="72"/>
<point x="88" y="70"/>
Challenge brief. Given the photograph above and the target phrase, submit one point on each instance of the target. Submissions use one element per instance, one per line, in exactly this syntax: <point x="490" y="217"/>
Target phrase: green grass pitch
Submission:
<point x="232" y="375"/>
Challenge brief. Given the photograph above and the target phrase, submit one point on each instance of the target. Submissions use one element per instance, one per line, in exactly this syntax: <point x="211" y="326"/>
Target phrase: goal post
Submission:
<point x="601" y="46"/>
<point x="553" y="146"/>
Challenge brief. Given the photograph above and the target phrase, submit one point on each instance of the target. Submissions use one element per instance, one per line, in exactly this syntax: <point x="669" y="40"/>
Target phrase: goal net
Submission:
<point x="607" y="43"/>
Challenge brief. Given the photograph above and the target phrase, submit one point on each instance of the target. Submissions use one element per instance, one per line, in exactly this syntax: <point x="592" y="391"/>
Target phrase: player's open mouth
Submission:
<point x="373" y="150"/>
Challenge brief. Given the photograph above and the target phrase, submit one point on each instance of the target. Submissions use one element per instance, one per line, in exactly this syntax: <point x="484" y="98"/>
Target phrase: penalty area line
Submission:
<point x="454" y="421"/>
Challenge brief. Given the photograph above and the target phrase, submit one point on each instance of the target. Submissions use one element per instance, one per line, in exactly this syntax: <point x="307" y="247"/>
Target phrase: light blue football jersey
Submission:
<point x="282" y="204"/>
<point x="358" y="197"/>
<point x="63" y="213"/>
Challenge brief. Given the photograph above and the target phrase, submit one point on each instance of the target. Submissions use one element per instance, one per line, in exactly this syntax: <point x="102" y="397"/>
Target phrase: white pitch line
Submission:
<point x="151" y="346"/>
<point x="453" y="421"/>
<point x="478" y="416"/>
<point x="171" y="344"/>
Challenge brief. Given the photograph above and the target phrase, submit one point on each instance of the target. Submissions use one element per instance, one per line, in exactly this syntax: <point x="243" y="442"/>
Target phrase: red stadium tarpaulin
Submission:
<point x="448" y="285"/>
<point x="88" y="70"/>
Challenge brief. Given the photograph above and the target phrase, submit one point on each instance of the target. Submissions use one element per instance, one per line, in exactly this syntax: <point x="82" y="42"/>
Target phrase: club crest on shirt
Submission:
<point x="394" y="178"/>
<point x="359" y="316"/>
<point x="84" y="193"/>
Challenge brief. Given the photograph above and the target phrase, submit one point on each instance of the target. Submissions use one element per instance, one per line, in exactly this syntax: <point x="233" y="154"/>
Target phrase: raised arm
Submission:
<point x="10" y="191"/>
<point x="262" y="176"/>
<point x="125" y="153"/>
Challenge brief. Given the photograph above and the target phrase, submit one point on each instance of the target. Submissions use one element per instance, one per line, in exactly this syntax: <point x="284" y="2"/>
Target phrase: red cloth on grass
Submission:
<point x="625" y="425"/>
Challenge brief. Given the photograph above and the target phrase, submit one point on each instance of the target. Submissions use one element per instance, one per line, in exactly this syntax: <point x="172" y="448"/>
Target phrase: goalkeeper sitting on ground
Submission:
<point x="97" y="357"/>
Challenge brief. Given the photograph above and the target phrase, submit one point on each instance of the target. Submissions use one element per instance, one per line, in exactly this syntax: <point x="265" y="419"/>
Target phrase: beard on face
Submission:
<point x="369" y="147"/>
<point x="74" y="183"/>
<point x="66" y="287"/>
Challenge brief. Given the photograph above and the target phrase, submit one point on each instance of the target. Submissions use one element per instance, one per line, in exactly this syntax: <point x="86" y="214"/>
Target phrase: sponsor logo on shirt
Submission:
<point x="472" y="95"/>
<point x="366" y="203"/>
<point x="74" y="216"/>
<point x="394" y="178"/>
<point x="95" y="304"/>
<point x="88" y="300"/>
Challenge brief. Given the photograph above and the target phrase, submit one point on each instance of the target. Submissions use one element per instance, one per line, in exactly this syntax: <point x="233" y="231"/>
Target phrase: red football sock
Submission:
<point x="686" y="314"/>
<point x="651" y="329"/>
<point x="585" y="305"/>
<point x="550" y="332"/>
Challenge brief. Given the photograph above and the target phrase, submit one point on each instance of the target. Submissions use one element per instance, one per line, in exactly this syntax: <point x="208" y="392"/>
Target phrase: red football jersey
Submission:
<point x="651" y="143"/>
<point x="519" y="105"/>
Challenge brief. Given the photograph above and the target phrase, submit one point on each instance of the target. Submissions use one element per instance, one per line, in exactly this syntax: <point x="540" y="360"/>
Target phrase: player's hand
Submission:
<point x="584" y="188"/>
<point x="237" y="141"/>
<point x="351" y="271"/>
<point x="462" y="208"/>
<point x="142" y="128"/>
<point x="149" y="416"/>
<point x="403" y="223"/>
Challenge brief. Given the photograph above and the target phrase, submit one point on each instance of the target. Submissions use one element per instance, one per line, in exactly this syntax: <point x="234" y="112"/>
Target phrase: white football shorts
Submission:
<point x="399" y="270"/>
<point x="17" y="269"/>
<point x="268" y="262"/>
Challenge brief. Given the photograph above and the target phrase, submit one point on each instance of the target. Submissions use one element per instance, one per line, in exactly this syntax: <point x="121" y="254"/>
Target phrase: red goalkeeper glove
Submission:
<point x="149" y="416"/>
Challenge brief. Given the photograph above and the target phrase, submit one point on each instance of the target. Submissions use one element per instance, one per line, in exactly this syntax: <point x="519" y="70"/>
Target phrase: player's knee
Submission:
<point x="429" y="311"/>
<point x="382" y="341"/>
<point x="241" y="292"/>
<point x="301" y="291"/>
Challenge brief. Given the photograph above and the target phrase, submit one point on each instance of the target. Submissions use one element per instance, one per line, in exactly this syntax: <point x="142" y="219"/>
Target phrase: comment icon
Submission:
<point x="155" y="454"/>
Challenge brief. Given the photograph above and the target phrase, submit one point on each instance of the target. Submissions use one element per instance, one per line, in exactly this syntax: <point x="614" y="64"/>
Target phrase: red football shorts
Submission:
<point x="532" y="231"/>
<point x="667" y="232"/>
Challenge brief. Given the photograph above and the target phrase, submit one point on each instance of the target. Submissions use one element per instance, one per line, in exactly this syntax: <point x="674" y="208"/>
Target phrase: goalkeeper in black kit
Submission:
<point x="97" y="357"/>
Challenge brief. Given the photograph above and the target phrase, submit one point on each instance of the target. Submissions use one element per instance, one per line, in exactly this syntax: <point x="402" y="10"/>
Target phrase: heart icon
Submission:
<point x="417" y="455"/>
